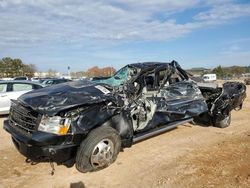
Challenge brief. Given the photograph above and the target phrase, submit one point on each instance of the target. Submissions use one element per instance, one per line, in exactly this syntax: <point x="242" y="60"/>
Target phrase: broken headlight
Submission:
<point x="55" y="124"/>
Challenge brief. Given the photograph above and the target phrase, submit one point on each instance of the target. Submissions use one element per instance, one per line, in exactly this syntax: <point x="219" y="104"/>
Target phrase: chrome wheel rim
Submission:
<point x="102" y="154"/>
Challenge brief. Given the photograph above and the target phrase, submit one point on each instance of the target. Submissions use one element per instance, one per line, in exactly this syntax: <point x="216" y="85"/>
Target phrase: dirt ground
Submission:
<point x="189" y="156"/>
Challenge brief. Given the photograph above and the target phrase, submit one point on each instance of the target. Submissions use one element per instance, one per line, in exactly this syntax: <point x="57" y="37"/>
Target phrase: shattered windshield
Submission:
<point x="119" y="78"/>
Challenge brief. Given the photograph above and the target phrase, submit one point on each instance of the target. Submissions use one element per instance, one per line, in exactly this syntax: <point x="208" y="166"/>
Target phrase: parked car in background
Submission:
<point x="41" y="80"/>
<point x="21" y="78"/>
<point x="54" y="81"/>
<point x="12" y="89"/>
<point x="35" y="79"/>
<point x="89" y="123"/>
<point x="209" y="77"/>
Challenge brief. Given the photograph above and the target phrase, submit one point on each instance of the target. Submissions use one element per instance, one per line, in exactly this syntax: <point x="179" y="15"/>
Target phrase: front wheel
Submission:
<point x="98" y="150"/>
<point x="225" y="122"/>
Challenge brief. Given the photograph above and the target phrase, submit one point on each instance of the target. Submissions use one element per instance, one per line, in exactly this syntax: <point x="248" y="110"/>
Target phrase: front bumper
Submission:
<point x="41" y="146"/>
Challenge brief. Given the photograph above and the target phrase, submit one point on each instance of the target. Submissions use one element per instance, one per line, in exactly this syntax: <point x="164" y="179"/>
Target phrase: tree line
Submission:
<point x="234" y="71"/>
<point x="15" y="67"/>
<point x="222" y="72"/>
<point x="94" y="72"/>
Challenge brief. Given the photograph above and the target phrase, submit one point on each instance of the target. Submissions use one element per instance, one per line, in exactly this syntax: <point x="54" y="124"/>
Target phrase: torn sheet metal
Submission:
<point x="140" y="98"/>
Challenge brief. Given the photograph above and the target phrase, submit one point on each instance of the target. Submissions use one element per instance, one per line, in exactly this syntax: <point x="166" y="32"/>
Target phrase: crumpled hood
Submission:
<point x="51" y="100"/>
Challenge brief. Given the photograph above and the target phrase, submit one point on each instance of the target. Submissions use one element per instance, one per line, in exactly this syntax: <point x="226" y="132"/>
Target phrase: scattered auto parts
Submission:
<point x="87" y="123"/>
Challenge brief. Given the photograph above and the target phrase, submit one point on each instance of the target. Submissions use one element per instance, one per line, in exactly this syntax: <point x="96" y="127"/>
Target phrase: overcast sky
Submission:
<point x="83" y="33"/>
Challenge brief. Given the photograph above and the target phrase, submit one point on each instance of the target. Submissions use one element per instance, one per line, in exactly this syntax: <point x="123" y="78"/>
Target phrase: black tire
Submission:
<point x="91" y="144"/>
<point x="225" y="122"/>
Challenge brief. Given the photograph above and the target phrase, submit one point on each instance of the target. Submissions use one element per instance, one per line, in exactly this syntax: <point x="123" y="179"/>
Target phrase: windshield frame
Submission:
<point x="121" y="77"/>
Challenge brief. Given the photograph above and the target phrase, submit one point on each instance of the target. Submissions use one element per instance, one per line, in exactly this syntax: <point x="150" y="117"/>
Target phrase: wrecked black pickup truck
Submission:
<point x="87" y="123"/>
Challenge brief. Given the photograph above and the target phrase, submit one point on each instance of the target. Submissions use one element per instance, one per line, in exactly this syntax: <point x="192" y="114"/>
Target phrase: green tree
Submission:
<point x="237" y="71"/>
<point x="15" y="67"/>
<point x="219" y="72"/>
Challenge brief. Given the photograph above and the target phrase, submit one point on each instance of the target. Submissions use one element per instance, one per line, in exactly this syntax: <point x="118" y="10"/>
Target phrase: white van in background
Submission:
<point x="209" y="77"/>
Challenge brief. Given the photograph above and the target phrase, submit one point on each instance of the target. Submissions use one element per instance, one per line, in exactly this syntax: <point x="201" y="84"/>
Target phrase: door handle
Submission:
<point x="3" y="95"/>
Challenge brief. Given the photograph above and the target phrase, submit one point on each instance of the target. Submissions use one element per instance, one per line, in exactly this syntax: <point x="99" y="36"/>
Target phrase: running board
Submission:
<point x="170" y="126"/>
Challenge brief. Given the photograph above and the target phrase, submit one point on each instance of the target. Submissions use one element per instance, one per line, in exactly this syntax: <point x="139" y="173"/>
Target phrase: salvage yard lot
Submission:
<point x="189" y="156"/>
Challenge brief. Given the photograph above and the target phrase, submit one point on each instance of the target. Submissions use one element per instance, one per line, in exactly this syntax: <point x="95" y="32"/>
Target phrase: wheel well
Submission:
<point x="122" y="123"/>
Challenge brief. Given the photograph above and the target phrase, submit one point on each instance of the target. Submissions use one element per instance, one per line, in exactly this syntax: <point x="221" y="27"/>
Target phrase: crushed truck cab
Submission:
<point x="87" y="123"/>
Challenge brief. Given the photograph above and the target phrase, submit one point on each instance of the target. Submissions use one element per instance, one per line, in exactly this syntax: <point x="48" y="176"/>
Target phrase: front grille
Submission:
<point x="23" y="118"/>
